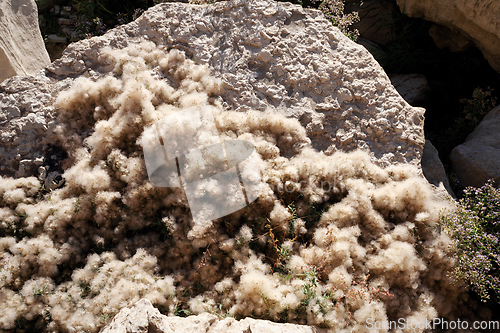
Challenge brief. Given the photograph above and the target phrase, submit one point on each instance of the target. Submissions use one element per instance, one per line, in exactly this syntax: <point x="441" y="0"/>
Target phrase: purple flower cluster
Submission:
<point x="475" y="231"/>
<point x="100" y="27"/>
<point x="122" y="18"/>
<point x="82" y="29"/>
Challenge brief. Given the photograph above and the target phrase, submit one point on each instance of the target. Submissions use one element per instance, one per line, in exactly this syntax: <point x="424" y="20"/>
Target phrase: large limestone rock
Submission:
<point x="476" y="20"/>
<point x="144" y="318"/>
<point x="478" y="159"/>
<point x="22" y="51"/>
<point x="268" y="55"/>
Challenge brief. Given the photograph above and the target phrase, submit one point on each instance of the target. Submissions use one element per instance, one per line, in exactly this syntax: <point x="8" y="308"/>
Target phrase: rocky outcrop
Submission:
<point x="144" y="318"/>
<point x="478" y="159"/>
<point x="267" y="54"/>
<point x="22" y="51"/>
<point x="476" y="20"/>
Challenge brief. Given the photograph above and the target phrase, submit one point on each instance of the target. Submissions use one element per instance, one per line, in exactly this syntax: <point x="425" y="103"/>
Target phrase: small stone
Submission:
<point x="64" y="13"/>
<point x="57" y="39"/>
<point x="14" y="111"/>
<point x="38" y="161"/>
<point x="265" y="56"/>
<point x="65" y="21"/>
<point x="68" y="32"/>
<point x="42" y="172"/>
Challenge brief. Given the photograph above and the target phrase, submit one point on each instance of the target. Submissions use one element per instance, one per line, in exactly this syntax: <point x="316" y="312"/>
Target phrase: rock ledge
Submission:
<point x="144" y="318"/>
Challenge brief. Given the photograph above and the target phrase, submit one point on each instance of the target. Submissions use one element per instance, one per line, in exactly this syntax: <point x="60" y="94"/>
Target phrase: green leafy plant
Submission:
<point x="474" y="110"/>
<point x="475" y="229"/>
<point x="180" y="312"/>
<point x="86" y="290"/>
<point x="105" y="317"/>
<point x="309" y="288"/>
<point x="37" y="292"/>
<point x="334" y="12"/>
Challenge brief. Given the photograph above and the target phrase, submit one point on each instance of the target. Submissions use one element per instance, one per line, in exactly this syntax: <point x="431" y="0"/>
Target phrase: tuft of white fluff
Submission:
<point x="331" y="240"/>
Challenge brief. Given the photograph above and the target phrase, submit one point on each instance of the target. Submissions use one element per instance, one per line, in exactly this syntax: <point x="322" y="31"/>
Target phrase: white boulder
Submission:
<point x="478" y="158"/>
<point x="22" y="51"/>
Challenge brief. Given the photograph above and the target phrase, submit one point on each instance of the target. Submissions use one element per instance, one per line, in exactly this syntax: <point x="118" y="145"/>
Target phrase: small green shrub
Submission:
<point x="473" y="112"/>
<point x="475" y="229"/>
<point x="334" y="12"/>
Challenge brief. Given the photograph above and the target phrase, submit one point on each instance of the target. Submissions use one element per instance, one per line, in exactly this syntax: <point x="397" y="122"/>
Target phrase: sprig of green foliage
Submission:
<point x="474" y="110"/>
<point x="334" y="12"/>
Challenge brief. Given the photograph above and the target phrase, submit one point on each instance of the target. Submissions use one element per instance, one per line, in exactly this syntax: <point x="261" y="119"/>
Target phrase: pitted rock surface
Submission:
<point x="268" y="55"/>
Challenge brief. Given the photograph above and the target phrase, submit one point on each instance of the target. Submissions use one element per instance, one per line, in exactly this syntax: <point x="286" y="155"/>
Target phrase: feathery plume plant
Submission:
<point x="108" y="237"/>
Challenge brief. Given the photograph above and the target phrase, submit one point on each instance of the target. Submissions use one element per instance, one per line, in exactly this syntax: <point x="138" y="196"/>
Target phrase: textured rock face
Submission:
<point x="22" y="51"/>
<point x="268" y="55"/>
<point x="144" y="318"/>
<point x="477" y="20"/>
<point x="478" y="159"/>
